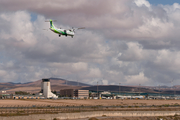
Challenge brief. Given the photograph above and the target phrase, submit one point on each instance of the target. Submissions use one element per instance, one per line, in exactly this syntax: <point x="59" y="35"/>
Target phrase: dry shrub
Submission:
<point x="93" y="118"/>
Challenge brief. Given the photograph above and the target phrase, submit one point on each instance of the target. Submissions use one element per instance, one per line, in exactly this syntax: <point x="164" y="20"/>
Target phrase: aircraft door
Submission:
<point x="65" y="32"/>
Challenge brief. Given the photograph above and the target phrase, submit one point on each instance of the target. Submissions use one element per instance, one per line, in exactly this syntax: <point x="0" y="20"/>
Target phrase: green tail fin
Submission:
<point x="51" y="24"/>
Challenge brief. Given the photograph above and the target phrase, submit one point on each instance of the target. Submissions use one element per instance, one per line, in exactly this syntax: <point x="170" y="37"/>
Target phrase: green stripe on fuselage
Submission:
<point x="58" y="31"/>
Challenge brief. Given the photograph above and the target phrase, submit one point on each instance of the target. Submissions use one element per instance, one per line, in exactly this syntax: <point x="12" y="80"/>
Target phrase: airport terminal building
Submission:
<point x="74" y="93"/>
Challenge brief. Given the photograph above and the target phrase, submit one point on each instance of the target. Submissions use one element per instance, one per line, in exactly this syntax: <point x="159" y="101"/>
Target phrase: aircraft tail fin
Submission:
<point x="51" y="24"/>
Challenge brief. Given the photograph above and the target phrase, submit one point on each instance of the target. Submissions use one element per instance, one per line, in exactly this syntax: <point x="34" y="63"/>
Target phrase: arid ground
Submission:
<point x="133" y="118"/>
<point x="87" y="102"/>
<point x="20" y="107"/>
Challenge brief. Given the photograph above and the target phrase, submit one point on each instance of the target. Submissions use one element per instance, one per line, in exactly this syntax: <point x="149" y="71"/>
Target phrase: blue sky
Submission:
<point x="164" y="2"/>
<point x="33" y="16"/>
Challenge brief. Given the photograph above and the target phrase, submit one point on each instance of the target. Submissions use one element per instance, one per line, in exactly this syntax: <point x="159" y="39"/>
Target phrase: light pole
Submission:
<point x="159" y="90"/>
<point x="173" y="87"/>
<point x="97" y="91"/>
<point x="77" y="80"/>
<point x="77" y="83"/>
<point x="174" y="91"/>
<point x="139" y="88"/>
<point x="119" y="88"/>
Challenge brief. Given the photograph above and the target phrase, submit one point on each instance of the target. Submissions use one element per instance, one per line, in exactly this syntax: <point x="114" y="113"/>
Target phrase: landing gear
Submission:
<point x="72" y="36"/>
<point x="59" y="35"/>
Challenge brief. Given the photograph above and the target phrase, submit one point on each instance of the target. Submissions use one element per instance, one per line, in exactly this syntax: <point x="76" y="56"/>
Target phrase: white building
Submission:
<point x="46" y="89"/>
<point x="3" y="91"/>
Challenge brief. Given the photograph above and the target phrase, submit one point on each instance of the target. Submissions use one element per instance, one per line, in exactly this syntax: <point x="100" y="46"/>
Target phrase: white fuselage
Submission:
<point x="65" y="32"/>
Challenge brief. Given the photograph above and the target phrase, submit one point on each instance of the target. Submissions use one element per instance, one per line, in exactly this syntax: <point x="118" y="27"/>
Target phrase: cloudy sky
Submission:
<point x="125" y="41"/>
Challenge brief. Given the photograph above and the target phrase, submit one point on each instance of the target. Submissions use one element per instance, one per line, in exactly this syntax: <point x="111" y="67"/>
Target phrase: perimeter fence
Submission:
<point x="49" y="109"/>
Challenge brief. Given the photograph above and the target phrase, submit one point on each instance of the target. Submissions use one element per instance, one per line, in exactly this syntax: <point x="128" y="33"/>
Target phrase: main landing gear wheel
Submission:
<point x="59" y="35"/>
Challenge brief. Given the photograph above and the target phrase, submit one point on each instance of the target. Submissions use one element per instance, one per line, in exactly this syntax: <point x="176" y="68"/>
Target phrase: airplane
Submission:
<point x="65" y="32"/>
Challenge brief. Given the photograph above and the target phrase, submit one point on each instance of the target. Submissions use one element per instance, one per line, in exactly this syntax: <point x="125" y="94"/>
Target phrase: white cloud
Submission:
<point x="168" y="60"/>
<point x="3" y="73"/>
<point x="134" y="52"/>
<point x="80" y="66"/>
<point x="20" y="26"/>
<point x="122" y="38"/>
<point x="137" y="79"/>
<point x="94" y="73"/>
<point x="105" y="82"/>
<point x="140" y="3"/>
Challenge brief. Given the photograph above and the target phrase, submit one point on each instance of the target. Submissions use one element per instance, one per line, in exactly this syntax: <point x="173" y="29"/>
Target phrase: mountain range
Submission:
<point x="58" y="84"/>
<point x="34" y="87"/>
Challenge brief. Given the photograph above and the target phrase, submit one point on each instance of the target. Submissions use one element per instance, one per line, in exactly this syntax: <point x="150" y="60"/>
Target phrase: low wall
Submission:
<point x="92" y="114"/>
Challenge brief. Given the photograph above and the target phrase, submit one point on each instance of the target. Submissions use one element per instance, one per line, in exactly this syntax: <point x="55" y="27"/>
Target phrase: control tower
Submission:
<point x="46" y="89"/>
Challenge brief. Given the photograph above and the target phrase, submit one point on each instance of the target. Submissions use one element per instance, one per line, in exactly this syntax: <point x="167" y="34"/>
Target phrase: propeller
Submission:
<point x="81" y="28"/>
<point x="73" y="29"/>
<point x="77" y="28"/>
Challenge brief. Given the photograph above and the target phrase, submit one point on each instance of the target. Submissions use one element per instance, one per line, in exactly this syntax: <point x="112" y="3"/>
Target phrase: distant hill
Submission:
<point x="33" y="87"/>
<point x="59" y="84"/>
<point x="115" y="88"/>
<point x="54" y="81"/>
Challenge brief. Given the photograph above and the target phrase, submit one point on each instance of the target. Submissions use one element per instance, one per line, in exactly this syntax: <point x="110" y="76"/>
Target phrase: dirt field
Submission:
<point x="134" y="118"/>
<point x="87" y="102"/>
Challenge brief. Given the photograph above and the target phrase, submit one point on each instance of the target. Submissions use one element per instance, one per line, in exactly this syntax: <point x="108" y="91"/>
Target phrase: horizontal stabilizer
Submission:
<point x="49" y="21"/>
